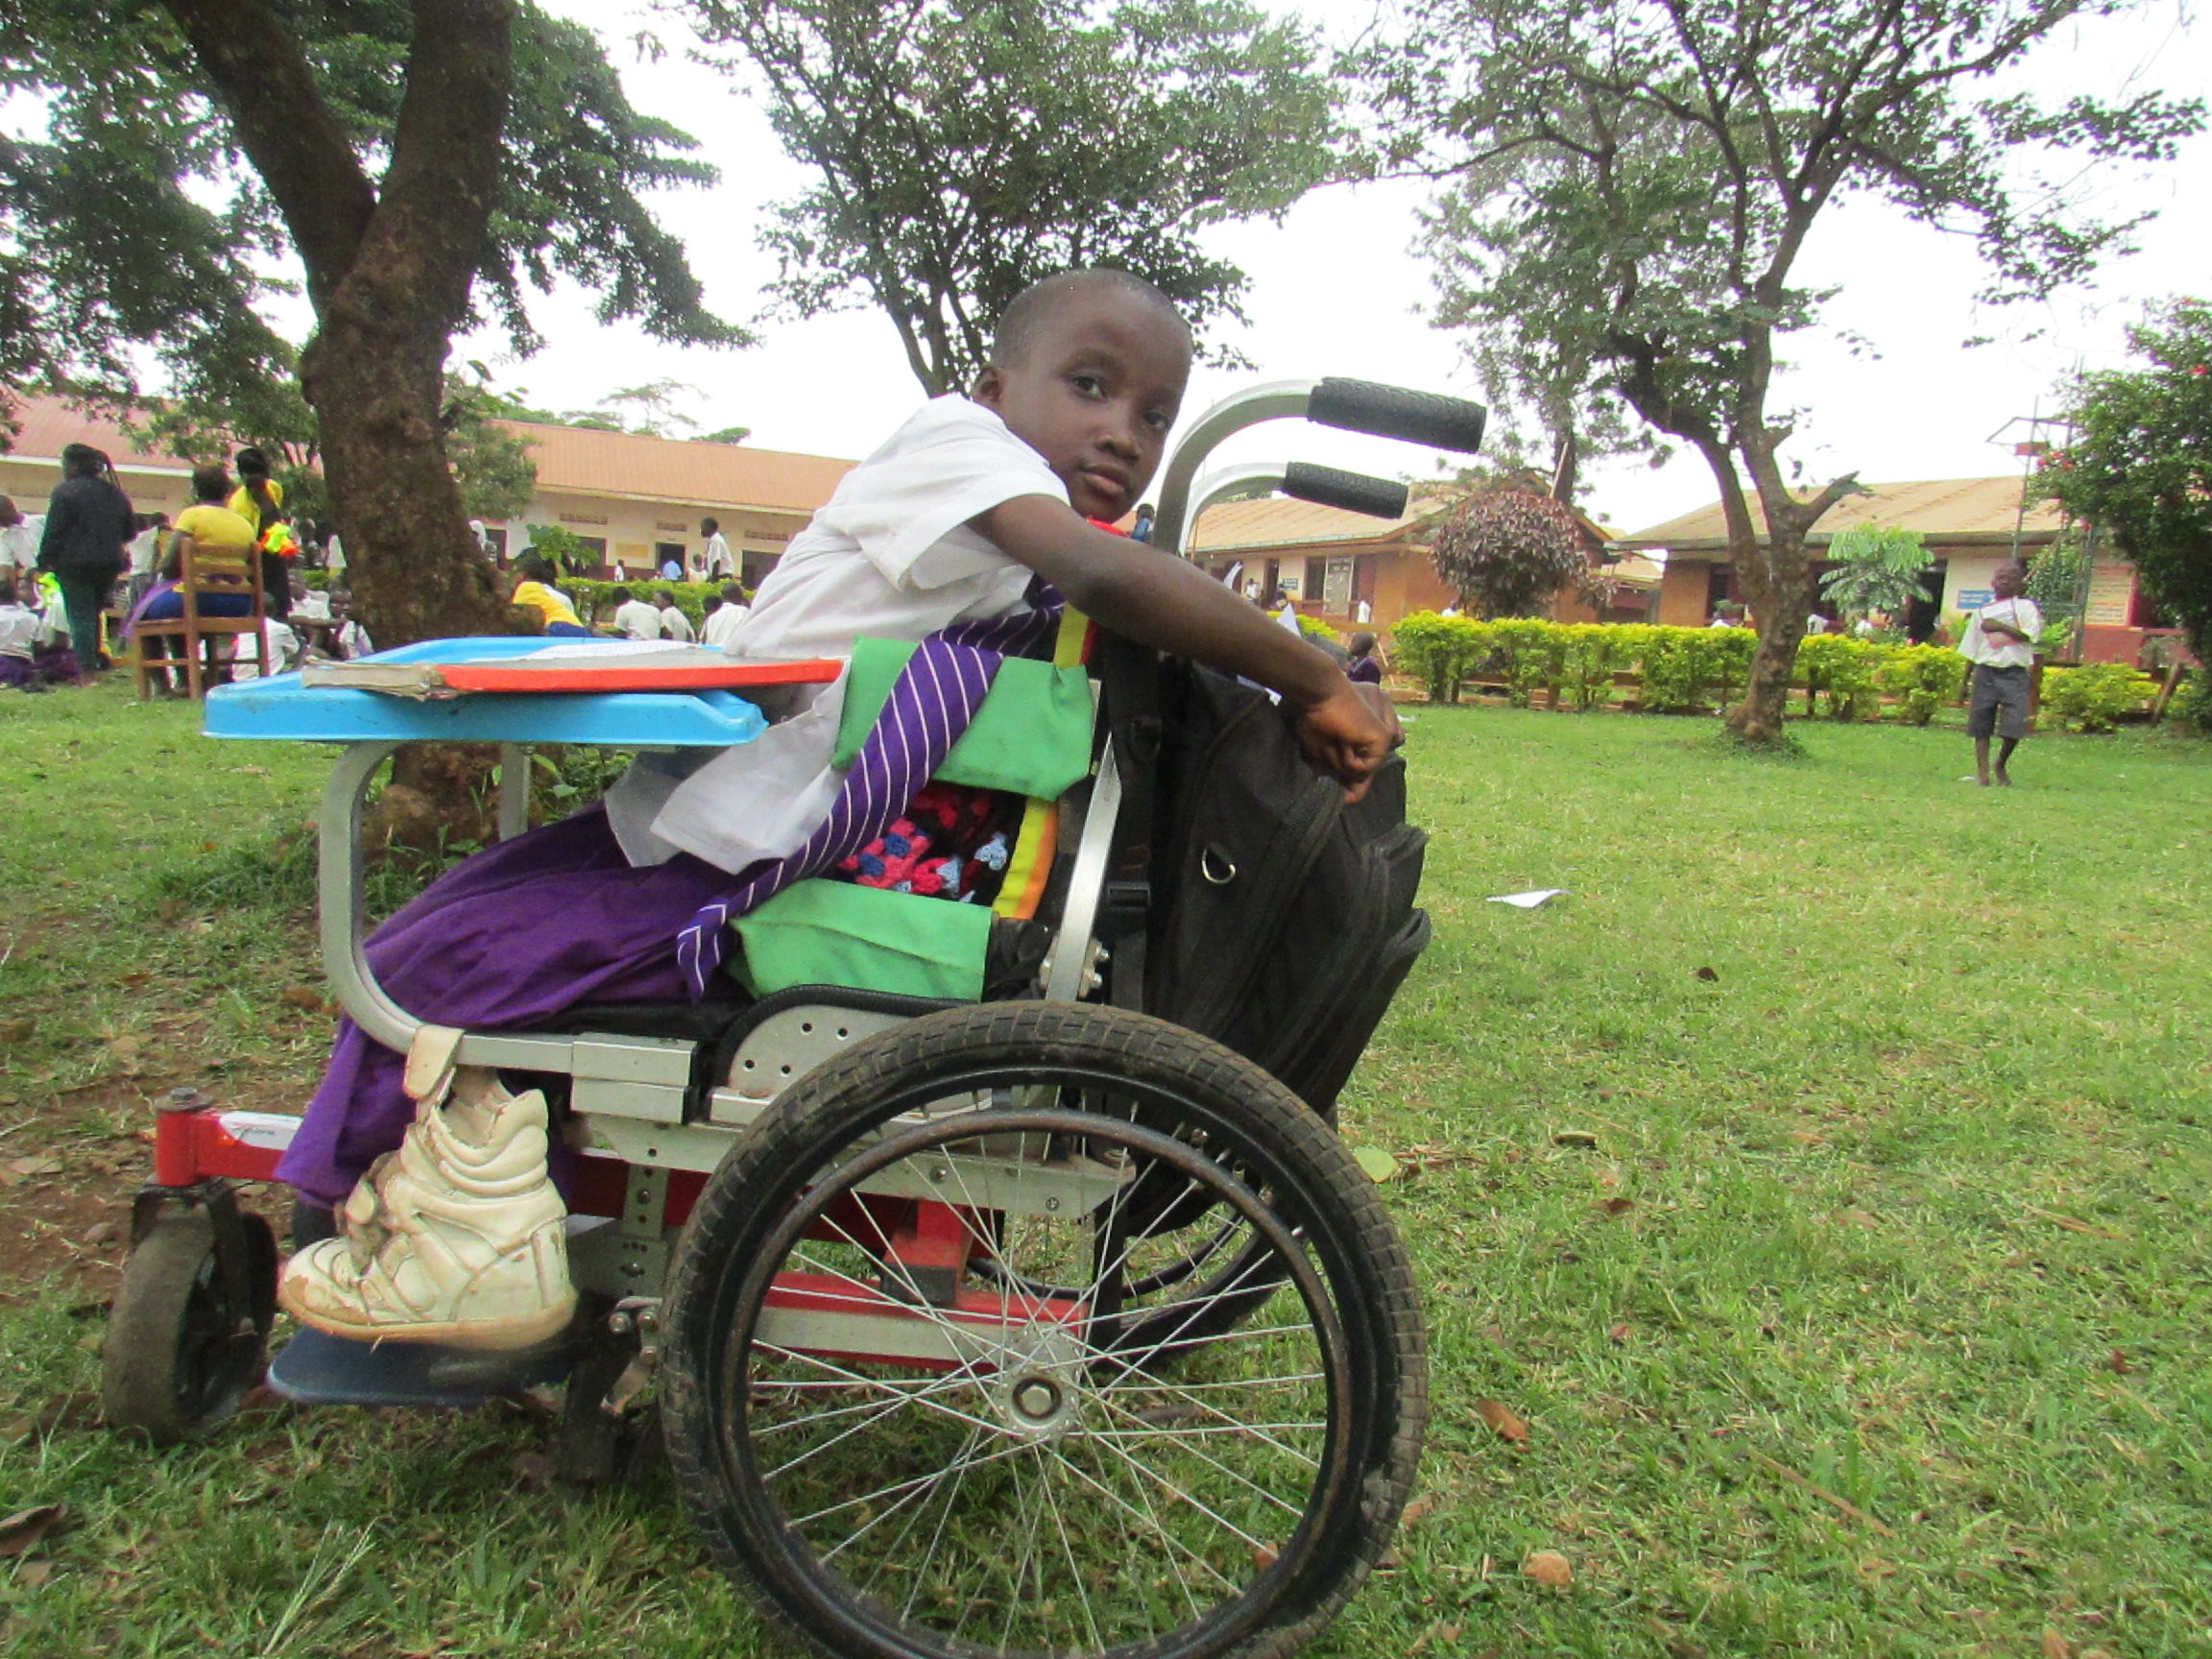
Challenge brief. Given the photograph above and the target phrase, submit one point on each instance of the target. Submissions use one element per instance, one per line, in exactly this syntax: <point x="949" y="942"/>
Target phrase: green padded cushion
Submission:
<point x="865" y="939"/>
<point x="1031" y="735"/>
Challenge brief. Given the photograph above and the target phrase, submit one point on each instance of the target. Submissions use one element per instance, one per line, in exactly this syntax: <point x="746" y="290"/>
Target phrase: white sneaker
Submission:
<point x="458" y="1238"/>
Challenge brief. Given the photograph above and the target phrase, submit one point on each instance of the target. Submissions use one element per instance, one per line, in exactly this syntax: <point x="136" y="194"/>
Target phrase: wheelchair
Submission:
<point x="1033" y="1325"/>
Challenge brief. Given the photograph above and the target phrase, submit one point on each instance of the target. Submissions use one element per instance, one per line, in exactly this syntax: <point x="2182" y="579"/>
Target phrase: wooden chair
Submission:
<point x="203" y="573"/>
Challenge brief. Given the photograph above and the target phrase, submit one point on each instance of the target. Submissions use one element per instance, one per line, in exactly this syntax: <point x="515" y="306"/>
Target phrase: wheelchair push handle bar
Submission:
<point x="1424" y="417"/>
<point x="1354" y="492"/>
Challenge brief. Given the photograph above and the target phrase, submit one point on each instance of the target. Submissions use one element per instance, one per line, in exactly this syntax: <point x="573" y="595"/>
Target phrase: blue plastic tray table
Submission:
<point x="370" y="725"/>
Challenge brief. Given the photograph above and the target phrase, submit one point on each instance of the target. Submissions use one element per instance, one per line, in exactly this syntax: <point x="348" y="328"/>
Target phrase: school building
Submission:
<point x="636" y="501"/>
<point x="1971" y="525"/>
<point x="1352" y="571"/>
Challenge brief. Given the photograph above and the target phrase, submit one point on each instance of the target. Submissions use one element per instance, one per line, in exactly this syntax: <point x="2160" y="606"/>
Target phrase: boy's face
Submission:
<point x="2005" y="581"/>
<point x="1096" y="394"/>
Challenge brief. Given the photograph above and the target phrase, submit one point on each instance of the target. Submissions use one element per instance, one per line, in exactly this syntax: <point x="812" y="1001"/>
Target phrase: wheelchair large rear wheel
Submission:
<point x="889" y="1433"/>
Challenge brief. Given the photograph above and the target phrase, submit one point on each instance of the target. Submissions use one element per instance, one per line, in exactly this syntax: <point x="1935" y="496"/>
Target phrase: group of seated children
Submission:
<point x="964" y="533"/>
<point x="35" y="653"/>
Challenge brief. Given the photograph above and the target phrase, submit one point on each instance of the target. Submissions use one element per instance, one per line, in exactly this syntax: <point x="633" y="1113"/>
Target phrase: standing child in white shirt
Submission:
<point x="719" y="562"/>
<point x="727" y="618"/>
<point x="2000" y="641"/>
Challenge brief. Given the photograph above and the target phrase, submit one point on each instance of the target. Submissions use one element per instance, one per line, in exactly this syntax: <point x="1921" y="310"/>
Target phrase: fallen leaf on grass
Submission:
<point x="1549" y="1569"/>
<point x="1853" y="1218"/>
<point x="1619" y="1334"/>
<point x="301" y="996"/>
<point x="2118" y="1363"/>
<point x="99" y="1232"/>
<point x="1419" y="1510"/>
<point x="1574" y="1137"/>
<point x="21" y="1531"/>
<point x="36" y="1166"/>
<point x="2056" y="1645"/>
<point x="1616" y="1206"/>
<point x="34" y="1573"/>
<point x="16" y="1031"/>
<point x="1378" y="1165"/>
<point x="1709" y="975"/>
<point x="1264" y="1555"/>
<point x="1503" y="1421"/>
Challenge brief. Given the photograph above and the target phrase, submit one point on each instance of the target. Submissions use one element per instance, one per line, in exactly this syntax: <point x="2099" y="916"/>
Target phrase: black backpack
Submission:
<point x="1278" y="921"/>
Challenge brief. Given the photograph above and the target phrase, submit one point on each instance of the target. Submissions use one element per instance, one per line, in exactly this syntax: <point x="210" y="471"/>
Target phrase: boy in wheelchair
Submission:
<point x="965" y="531"/>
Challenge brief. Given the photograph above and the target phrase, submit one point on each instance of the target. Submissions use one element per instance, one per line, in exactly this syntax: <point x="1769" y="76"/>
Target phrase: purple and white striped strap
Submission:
<point x="930" y="704"/>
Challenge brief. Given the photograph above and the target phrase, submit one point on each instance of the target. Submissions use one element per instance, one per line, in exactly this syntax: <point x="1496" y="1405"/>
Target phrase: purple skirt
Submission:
<point x="508" y="938"/>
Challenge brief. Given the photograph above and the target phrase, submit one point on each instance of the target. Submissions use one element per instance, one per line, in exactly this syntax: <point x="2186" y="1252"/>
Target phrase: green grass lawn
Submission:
<point x="1823" y="1182"/>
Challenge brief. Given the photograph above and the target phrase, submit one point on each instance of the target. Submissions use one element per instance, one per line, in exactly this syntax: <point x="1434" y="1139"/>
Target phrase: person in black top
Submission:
<point x="89" y="520"/>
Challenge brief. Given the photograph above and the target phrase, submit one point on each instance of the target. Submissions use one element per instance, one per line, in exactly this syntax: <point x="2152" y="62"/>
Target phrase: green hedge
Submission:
<point x="2097" y="696"/>
<point x="1680" y="670"/>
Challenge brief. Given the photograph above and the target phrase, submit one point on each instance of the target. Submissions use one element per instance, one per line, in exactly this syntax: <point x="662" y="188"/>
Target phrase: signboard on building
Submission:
<point x="1337" y="588"/>
<point x="2111" y="596"/>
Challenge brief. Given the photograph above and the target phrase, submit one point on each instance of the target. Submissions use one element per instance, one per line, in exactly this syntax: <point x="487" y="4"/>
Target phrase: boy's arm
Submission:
<point x="1172" y="605"/>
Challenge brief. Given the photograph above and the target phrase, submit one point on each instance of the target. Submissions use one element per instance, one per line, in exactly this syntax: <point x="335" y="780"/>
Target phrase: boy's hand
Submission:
<point x="1349" y="734"/>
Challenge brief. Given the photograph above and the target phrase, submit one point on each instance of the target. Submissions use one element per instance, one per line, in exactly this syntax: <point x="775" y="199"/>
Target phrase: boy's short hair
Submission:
<point x="621" y="595"/>
<point x="209" y="484"/>
<point x="1361" y="644"/>
<point x="667" y="599"/>
<point x="732" y="594"/>
<point x="708" y="526"/>
<point x="1026" y="316"/>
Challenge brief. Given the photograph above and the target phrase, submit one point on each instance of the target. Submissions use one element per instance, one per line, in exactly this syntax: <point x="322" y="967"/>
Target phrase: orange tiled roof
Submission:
<point x="1969" y="511"/>
<point x="1278" y="521"/>
<point x="49" y="425"/>
<point x="578" y="461"/>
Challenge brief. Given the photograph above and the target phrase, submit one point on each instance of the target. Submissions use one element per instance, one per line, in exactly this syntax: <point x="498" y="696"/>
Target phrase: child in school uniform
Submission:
<point x="947" y="534"/>
<point x="18" y="637"/>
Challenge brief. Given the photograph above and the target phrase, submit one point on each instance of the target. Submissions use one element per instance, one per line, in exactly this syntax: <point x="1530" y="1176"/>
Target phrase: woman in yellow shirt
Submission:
<point x="259" y="500"/>
<point x="534" y="590"/>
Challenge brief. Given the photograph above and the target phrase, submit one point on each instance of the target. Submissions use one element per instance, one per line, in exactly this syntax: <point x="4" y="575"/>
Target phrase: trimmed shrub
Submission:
<point x="1922" y="678"/>
<point x="2096" y="696"/>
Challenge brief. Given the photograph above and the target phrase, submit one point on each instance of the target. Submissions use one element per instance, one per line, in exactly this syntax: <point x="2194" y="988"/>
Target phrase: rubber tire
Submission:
<point x="860" y="1087"/>
<point x="153" y="1379"/>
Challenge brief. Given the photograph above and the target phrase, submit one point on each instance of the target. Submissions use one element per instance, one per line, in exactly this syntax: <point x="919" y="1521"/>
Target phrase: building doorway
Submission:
<point x="1925" y="612"/>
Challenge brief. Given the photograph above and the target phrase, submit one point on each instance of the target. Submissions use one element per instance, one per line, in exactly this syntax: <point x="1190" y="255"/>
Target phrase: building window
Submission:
<point x="664" y="551"/>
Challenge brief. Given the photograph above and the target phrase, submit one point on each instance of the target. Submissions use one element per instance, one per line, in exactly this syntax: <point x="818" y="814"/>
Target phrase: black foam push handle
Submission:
<point x="1354" y="492"/>
<point x="1423" y="418"/>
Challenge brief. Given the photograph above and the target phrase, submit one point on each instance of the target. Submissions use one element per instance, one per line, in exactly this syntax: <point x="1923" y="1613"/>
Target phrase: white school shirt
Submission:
<point x="892" y="555"/>
<point x="145" y="551"/>
<point x="638" y="619"/>
<point x="19" y="542"/>
<point x="18" y="631"/>
<point x="719" y="562"/>
<point x="722" y="625"/>
<point x="676" y="626"/>
<point x="2000" y="651"/>
<point x="353" y="640"/>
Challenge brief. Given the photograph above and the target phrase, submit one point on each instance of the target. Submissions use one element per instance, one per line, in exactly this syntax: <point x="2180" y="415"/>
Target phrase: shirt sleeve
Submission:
<point x="908" y="505"/>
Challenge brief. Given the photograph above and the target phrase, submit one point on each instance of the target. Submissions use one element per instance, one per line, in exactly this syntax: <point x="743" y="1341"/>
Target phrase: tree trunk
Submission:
<point x="1780" y="583"/>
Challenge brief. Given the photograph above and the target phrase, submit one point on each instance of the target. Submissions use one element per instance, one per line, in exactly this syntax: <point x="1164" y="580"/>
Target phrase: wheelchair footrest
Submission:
<point x="317" y="1369"/>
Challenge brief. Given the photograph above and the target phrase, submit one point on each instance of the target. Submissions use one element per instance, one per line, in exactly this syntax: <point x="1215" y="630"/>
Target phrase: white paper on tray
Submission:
<point x="1527" y="900"/>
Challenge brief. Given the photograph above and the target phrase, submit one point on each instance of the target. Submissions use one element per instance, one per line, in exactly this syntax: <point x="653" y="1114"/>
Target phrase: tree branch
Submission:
<point x="286" y="130"/>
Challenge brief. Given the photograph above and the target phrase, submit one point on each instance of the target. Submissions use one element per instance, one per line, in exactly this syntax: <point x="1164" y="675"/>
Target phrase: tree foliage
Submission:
<point x="1629" y="187"/>
<point x="967" y="148"/>
<point x="1878" y="569"/>
<point x="2140" y="462"/>
<point x="136" y="233"/>
<point x="1508" y="552"/>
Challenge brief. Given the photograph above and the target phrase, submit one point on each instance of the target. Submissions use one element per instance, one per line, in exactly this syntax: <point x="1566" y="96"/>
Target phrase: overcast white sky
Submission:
<point x="1336" y="291"/>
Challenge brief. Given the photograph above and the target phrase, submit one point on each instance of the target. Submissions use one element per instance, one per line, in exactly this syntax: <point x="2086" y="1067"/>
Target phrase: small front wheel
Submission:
<point x="187" y="1339"/>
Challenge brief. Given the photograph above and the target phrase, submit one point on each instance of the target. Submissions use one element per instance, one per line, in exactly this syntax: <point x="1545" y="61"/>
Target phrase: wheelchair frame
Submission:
<point x="661" y="1113"/>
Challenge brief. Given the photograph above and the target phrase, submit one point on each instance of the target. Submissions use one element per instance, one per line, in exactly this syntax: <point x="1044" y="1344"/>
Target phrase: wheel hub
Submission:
<point x="1035" y="1390"/>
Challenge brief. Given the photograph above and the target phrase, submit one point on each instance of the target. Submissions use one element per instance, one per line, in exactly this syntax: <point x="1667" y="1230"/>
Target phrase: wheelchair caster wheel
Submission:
<point x="189" y="1332"/>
